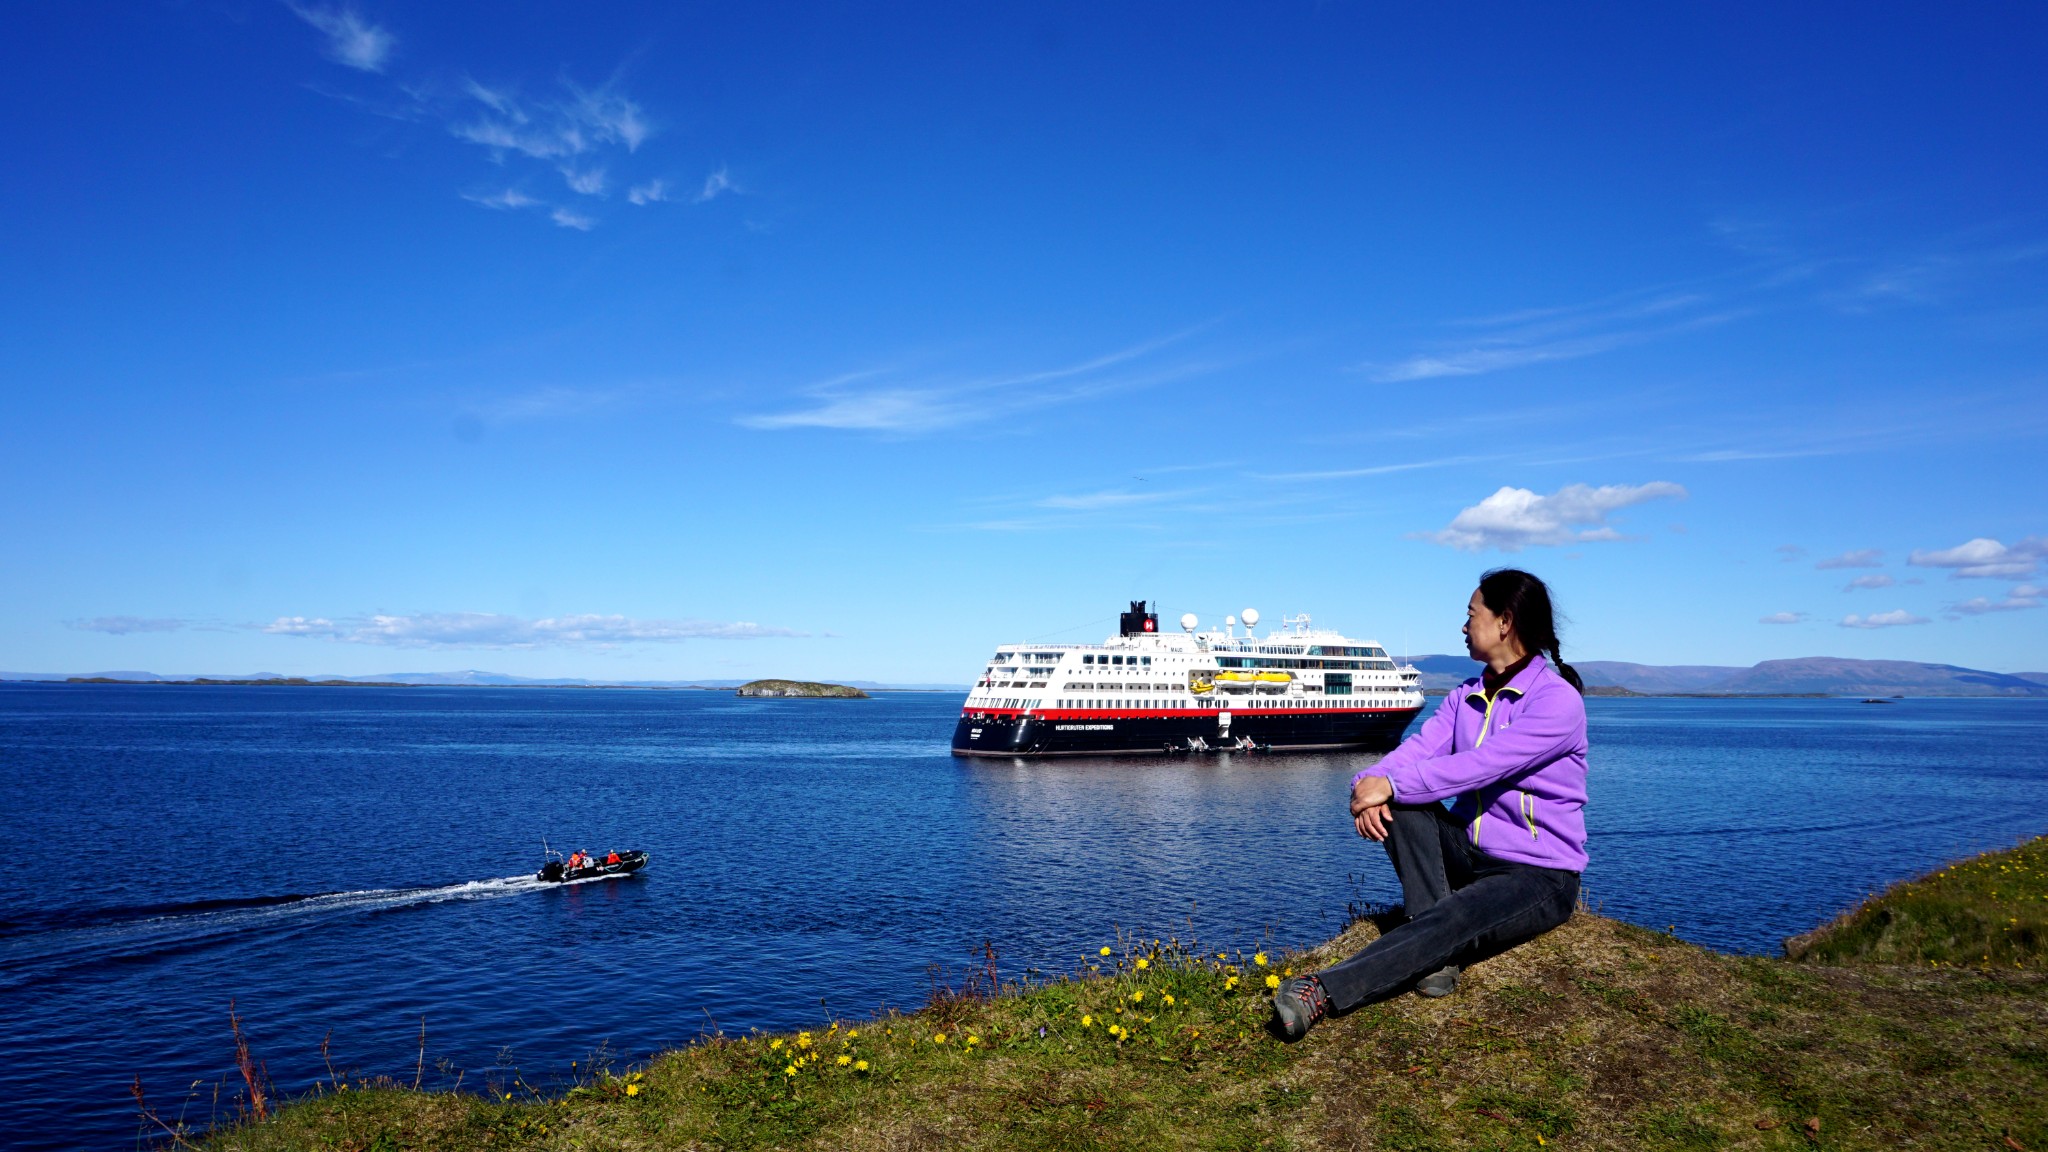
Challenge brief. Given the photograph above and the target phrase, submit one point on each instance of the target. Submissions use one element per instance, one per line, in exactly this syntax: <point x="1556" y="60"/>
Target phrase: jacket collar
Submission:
<point x="1522" y="677"/>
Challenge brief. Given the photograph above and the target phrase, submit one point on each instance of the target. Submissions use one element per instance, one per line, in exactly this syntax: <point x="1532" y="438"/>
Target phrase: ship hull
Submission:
<point x="1142" y="733"/>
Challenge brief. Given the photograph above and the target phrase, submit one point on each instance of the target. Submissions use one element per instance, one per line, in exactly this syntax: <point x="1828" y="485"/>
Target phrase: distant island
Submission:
<point x="805" y="688"/>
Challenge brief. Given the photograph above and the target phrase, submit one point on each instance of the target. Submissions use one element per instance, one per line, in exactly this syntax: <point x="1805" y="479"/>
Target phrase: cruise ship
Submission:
<point x="1146" y="692"/>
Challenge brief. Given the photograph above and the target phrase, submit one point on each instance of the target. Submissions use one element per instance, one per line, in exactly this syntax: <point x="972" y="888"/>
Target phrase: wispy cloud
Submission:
<point x="652" y="192"/>
<point x="717" y="183"/>
<point x="1370" y="470"/>
<point x="351" y="40"/>
<point x="1783" y="618"/>
<point x="1516" y="518"/>
<point x="507" y="199"/>
<point x="1860" y="558"/>
<point x="1985" y="558"/>
<point x="1543" y="335"/>
<point x="587" y="181"/>
<point x="1896" y="618"/>
<point x="874" y="401"/>
<point x="127" y="625"/>
<point x="1110" y="498"/>
<point x="1879" y="580"/>
<point x="570" y="218"/>
<point x="491" y="630"/>
<point x="2019" y="600"/>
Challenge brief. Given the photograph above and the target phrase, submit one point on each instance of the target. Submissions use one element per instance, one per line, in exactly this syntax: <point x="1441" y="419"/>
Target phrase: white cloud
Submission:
<point x="570" y="218"/>
<point x="652" y="192"/>
<point x="589" y="182"/>
<point x="351" y="40"/>
<point x="717" y="182"/>
<point x="1783" y="618"/>
<point x="1893" y="619"/>
<point x="891" y="411"/>
<point x="1985" y="558"/>
<point x="491" y="630"/>
<point x="1516" y="518"/>
<point x="509" y="198"/>
<point x="1860" y="558"/>
<point x="125" y="625"/>
<point x="1881" y="580"/>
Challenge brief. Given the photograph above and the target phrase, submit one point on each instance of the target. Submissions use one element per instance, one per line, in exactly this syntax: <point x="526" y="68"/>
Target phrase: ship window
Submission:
<point x="1146" y="660"/>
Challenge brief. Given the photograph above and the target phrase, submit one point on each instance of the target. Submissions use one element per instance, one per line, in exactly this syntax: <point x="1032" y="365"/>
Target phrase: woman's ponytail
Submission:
<point x="1570" y="674"/>
<point x="1525" y="600"/>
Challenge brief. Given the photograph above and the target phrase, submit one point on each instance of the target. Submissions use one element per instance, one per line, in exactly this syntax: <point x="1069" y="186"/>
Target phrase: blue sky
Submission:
<point x="666" y="341"/>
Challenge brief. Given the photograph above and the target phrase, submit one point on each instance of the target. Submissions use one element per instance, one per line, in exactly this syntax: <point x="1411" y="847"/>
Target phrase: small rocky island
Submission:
<point x="801" y="688"/>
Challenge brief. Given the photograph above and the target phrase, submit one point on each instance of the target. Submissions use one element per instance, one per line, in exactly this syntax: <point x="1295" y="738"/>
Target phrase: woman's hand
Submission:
<point x="1369" y="812"/>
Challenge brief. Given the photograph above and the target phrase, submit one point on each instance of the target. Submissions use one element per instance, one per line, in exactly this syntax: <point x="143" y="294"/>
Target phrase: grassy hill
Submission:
<point x="1599" y="1035"/>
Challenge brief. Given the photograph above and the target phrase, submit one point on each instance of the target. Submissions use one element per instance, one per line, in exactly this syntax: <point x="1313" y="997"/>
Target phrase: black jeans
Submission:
<point x="1463" y="906"/>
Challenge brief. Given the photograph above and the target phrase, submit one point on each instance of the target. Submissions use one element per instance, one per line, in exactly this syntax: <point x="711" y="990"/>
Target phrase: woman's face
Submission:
<point x="1486" y="635"/>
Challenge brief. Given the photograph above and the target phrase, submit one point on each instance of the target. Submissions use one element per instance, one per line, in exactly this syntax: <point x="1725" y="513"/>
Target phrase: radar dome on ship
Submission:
<point x="1250" y="616"/>
<point x="1188" y="622"/>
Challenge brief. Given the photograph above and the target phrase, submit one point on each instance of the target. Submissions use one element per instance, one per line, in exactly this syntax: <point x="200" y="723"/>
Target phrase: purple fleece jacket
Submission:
<point x="1516" y="763"/>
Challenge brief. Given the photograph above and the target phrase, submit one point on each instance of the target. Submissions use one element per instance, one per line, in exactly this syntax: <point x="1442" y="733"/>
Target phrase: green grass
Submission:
<point x="1598" y="1035"/>
<point x="1987" y="911"/>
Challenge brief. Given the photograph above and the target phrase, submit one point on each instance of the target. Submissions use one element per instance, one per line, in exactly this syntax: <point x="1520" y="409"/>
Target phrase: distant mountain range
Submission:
<point x="469" y="678"/>
<point x="1826" y="675"/>
<point x="1807" y="675"/>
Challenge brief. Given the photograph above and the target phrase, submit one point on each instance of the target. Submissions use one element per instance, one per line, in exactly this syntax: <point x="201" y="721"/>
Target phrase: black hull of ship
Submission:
<point x="1120" y="733"/>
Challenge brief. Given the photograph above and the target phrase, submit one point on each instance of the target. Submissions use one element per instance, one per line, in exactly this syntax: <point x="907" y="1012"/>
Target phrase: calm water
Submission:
<point x="350" y="860"/>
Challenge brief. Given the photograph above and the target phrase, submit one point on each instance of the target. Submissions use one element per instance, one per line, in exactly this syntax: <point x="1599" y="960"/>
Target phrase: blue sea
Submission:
<point x="340" y="864"/>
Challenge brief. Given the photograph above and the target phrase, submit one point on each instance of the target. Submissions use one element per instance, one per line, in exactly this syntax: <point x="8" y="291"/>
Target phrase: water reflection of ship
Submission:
<point x="1141" y="691"/>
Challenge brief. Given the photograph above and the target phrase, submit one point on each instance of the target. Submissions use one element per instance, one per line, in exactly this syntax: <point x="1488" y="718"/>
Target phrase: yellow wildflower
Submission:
<point x="843" y="1060"/>
<point x="1272" y="981"/>
<point x="1138" y="997"/>
<point x="1168" y="998"/>
<point x="1105" y="950"/>
<point x="1259" y="959"/>
<point x="774" y="1044"/>
<point x="1087" y="1021"/>
<point x="973" y="1040"/>
<point x="853" y="1035"/>
<point x="803" y="1039"/>
<point x="939" y="1038"/>
<point x="860" y="1065"/>
<point x="789" y="1071"/>
<point x="1230" y="983"/>
<point x="632" y="1089"/>
<point x="1144" y="963"/>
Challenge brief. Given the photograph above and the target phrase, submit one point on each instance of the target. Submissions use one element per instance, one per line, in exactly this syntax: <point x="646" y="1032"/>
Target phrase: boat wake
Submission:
<point x="30" y="952"/>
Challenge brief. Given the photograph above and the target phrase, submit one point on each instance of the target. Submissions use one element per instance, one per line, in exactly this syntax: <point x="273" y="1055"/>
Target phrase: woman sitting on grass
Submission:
<point x="1501" y="865"/>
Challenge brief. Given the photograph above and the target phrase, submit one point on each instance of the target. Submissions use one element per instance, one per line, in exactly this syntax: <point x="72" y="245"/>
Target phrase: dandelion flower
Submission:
<point x="853" y="1035"/>
<point x="1138" y="997"/>
<point x="632" y="1089"/>
<point x="1230" y="983"/>
<point x="1272" y="981"/>
<point x="789" y="1071"/>
<point x="860" y="1065"/>
<point x="773" y="1045"/>
<point x="1143" y="963"/>
<point x="803" y="1039"/>
<point x="843" y="1060"/>
<point x="1087" y="1021"/>
<point x="1259" y="959"/>
<point x="973" y="1040"/>
<point x="1105" y="950"/>
<point x="1168" y="998"/>
<point x="939" y="1038"/>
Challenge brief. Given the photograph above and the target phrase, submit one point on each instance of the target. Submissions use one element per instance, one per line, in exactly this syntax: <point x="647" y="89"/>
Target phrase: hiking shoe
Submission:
<point x="1299" y="1004"/>
<point x="1441" y="982"/>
